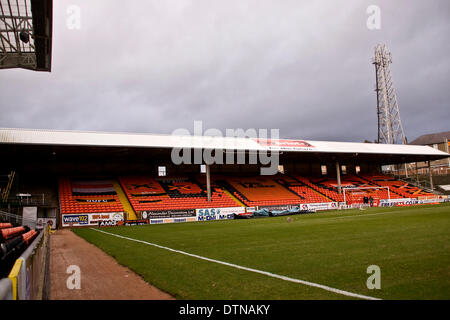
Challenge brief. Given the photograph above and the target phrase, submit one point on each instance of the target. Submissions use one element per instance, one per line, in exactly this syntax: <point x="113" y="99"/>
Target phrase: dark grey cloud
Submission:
<point x="301" y="66"/>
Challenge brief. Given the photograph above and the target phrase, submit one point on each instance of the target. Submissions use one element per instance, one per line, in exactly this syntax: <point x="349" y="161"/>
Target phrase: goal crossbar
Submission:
<point x="361" y="188"/>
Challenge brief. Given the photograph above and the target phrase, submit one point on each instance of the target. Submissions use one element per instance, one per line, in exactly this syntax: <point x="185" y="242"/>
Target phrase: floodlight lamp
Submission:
<point x="24" y="36"/>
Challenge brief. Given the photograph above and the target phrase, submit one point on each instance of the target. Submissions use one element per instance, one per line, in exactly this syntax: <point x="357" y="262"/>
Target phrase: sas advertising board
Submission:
<point x="208" y="214"/>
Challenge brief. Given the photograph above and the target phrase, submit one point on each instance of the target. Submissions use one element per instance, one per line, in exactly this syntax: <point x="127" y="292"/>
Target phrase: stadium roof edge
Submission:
<point x="142" y="140"/>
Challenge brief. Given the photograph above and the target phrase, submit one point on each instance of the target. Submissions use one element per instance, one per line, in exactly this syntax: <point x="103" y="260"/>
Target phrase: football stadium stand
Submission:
<point x="82" y="196"/>
<point x="132" y="194"/>
<point x="129" y="212"/>
<point x="171" y="193"/>
<point x="398" y="187"/>
<point x="277" y="190"/>
<point x="254" y="191"/>
<point x="99" y="177"/>
<point x="329" y="187"/>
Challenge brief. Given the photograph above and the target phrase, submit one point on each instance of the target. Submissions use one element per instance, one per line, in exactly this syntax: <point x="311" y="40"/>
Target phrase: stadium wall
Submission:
<point x="29" y="278"/>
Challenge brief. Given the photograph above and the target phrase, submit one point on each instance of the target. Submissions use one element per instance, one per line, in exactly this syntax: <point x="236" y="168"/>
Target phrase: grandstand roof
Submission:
<point x="390" y="153"/>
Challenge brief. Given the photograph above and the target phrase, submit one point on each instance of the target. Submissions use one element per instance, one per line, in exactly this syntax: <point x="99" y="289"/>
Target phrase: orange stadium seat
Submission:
<point x="94" y="196"/>
<point x="147" y="193"/>
<point x="329" y="187"/>
<point x="262" y="191"/>
<point x="399" y="188"/>
<point x="172" y="193"/>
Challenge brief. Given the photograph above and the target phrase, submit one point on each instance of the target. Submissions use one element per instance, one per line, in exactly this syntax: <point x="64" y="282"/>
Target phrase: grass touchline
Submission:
<point x="273" y="275"/>
<point x="410" y="245"/>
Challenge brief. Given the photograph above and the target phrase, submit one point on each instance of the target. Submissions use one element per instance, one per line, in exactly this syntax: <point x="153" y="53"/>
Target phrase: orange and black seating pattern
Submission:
<point x="147" y="193"/>
<point x="329" y="187"/>
<point x="14" y="240"/>
<point x="306" y="193"/>
<point x="88" y="196"/>
<point x="261" y="191"/>
<point x="172" y="193"/>
<point x="399" y="188"/>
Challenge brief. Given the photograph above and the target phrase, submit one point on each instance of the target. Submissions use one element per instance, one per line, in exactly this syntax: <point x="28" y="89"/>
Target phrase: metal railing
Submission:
<point x="17" y="219"/>
<point x="40" y="199"/>
<point x="6" y="289"/>
<point x="29" y="278"/>
<point x="421" y="183"/>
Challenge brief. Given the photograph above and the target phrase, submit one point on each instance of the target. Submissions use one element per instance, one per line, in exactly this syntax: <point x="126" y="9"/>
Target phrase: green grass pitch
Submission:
<point x="411" y="245"/>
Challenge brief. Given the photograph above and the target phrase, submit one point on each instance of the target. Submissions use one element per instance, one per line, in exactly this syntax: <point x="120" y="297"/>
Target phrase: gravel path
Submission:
<point x="102" y="278"/>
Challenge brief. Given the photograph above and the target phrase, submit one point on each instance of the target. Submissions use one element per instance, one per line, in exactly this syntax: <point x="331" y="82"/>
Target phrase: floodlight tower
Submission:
<point x="26" y="34"/>
<point x="390" y="129"/>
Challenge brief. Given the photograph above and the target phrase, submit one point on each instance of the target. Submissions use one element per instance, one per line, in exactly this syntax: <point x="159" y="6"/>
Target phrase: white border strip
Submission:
<point x="273" y="275"/>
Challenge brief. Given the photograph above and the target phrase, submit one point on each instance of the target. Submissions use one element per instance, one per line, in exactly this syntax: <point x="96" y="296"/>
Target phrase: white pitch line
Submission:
<point x="363" y="215"/>
<point x="376" y="214"/>
<point x="273" y="275"/>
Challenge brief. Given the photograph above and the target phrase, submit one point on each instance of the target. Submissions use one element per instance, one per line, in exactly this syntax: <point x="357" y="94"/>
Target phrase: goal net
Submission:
<point x="365" y="195"/>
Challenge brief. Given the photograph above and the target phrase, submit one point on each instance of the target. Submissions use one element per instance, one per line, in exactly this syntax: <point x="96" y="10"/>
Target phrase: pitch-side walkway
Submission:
<point x="102" y="278"/>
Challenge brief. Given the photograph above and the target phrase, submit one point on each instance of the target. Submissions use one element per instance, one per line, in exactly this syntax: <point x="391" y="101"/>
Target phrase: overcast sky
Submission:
<point x="303" y="67"/>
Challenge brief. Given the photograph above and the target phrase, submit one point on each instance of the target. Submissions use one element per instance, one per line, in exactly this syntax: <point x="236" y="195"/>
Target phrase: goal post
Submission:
<point x="350" y="191"/>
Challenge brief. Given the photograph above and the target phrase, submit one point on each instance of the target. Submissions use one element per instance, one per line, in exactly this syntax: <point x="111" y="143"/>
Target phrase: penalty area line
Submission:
<point x="379" y="213"/>
<point x="273" y="275"/>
